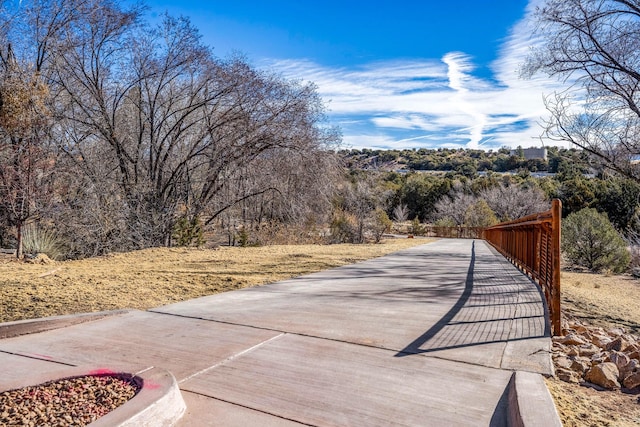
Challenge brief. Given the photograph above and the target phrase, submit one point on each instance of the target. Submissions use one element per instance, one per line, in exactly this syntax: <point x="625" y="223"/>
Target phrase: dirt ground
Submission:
<point x="154" y="277"/>
<point x="607" y="301"/>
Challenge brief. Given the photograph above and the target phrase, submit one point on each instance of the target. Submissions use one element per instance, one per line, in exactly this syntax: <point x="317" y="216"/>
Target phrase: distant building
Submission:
<point x="531" y="153"/>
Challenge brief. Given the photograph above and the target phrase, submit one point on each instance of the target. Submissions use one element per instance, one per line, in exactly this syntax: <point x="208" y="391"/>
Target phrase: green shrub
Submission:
<point x="188" y="232"/>
<point x="343" y="227"/>
<point x="381" y="224"/>
<point x="243" y="237"/>
<point x="589" y="240"/>
<point x="417" y="229"/>
<point x="480" y="214"/>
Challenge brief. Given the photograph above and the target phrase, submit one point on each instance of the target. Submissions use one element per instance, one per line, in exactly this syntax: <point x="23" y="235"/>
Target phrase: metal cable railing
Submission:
<point x="532" y="243"/>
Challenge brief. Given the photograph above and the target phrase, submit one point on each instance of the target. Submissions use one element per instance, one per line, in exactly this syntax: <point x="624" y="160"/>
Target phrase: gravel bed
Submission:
<point x="67" y="402"/>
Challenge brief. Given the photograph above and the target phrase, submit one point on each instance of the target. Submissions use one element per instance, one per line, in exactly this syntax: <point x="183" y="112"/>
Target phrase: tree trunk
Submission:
<point x="19" y="247"/>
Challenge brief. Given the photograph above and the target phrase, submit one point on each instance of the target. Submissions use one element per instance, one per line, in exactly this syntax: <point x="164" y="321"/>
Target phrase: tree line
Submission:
<point x="119" y="134"/>
<point x="468" y="161"/>
<point x="115" y="131"/>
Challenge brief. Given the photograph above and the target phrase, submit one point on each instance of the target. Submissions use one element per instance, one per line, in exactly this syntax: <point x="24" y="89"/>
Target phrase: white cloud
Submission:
<point x="433" y="102"/>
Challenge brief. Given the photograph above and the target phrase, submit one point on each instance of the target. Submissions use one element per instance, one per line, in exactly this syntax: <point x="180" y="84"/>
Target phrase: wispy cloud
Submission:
<point x="433" y="102"/>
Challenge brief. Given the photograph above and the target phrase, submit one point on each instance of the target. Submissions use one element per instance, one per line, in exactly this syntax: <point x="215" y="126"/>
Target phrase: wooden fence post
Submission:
<point x="556" y="223"/>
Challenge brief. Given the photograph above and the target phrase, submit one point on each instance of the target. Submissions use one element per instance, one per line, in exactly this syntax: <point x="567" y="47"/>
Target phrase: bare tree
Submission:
<point x="513" y="202"/>
<point x="155" y="130"/>
<point x="454" y="206"/>
<point x="184" y="134"/>
<point x="25" y="161"/>
<point x="400" y="212"/>
<point x="594" y="44"/>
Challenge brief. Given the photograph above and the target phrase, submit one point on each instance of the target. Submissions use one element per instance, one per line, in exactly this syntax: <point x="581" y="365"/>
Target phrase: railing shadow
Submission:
<point x="493" y="308"/>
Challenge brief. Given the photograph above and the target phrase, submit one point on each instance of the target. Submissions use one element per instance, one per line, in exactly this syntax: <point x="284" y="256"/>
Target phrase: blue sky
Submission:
<point x="394" y="74"/>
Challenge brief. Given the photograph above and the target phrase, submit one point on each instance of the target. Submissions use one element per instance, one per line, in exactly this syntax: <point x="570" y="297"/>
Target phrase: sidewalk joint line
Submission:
<point x="36" y="358"/>
<point x="232" y="357"/>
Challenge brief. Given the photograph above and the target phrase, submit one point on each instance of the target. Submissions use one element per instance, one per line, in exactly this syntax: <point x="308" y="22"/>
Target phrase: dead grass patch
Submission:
<point x="602" y="300"/>
<point x="159" y="276"/>
<point x="585" y="407"/>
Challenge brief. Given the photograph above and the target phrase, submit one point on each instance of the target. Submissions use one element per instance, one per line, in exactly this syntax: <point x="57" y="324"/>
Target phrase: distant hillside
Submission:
<point x="465" y="161"/>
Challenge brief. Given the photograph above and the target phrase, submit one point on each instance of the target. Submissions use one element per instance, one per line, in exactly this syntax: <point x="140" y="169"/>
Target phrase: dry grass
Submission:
<point x="154" y="277"/>
<point x="585" y="407"/>
<point x="603" y="300"/>
<point x="607" y="301"/>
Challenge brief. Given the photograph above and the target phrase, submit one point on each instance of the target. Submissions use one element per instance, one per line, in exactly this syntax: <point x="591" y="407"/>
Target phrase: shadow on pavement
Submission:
<point x="497" y="305"/>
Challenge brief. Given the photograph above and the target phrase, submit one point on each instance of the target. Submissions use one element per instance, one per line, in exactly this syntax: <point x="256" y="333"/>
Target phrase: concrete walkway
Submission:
<point x="426" y="336"/>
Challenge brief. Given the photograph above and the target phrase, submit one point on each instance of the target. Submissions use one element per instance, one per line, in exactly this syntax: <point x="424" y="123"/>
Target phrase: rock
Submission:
<point x="588" y="350"/>
<point x="580" y="365"/>
<point x="40" y="259"/>
<point x="598" y="358"/>
<point x="572" y="339"/>
<point x="567" y="375"/>
<point x="616" y="332"/>
<point x="632" y="367"/>
<point x="563" y="362"/>
<point x="605" y="375"/>
<point x="632" y="381"/>
<point x="581" y="329"/>
<point x="600" y="340"/>
<point x="621" y="360"/>
<point x="556" y="346"/>
<point x="618" y="344"/>
<point x="634" y="355"/>
<point x="573" y="351"/>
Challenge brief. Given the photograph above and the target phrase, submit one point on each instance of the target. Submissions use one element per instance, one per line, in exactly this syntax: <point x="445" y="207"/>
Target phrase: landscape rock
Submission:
<point x="40" y="259"/>
<point x="600" y="340"/>
<point x="633" y="344"/>
<point x="618" y="344"/>
<point x="561" y="348"/>
<point x="620" y="359"/>
<point x="581" y="329"/>
<point x="616" y="332"/>
<point x="573" y="351"/>
<point x="632" y="367"/>
<point x="598" y="358"/>
<point x="605" y="358"/>
<point x="588" y="350"/>
<point x="605" y="375"/>
<point x="572" y="339"/>
<point x="632" y="381"/>
<point x="563" y="362"/>
<point x="580" y="365"/>
<point x="567" y="375"/>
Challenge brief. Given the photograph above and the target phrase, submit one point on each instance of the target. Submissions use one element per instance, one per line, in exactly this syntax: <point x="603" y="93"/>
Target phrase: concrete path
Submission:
<point x="426" y="336"/>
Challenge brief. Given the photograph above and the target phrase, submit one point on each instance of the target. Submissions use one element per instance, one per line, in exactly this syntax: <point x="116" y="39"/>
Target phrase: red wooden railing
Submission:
<point x="532" y="243"/>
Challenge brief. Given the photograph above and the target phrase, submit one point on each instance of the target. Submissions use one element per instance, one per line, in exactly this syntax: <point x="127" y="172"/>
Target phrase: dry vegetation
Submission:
<point x="154" y="277"/>
<point x="603" y="300"/>
<point x="606" y="301"/>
